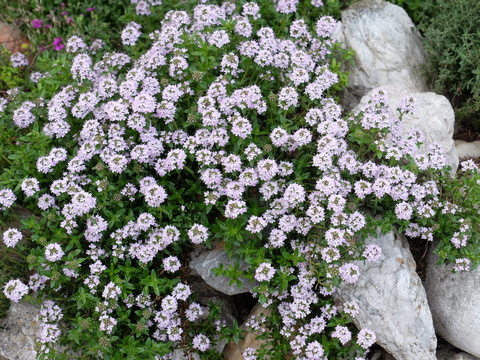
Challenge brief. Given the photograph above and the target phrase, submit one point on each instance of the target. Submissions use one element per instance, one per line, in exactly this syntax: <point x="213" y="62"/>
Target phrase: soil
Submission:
<point x="466" y="134"/>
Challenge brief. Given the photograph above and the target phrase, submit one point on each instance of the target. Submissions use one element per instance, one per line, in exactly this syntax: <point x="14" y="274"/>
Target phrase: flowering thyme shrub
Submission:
<point x="218" y="127"/>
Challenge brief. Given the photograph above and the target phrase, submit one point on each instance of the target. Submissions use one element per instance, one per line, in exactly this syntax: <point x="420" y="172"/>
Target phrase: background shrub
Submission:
<point x="452" y="45"/>
<point x="414" y="8"/>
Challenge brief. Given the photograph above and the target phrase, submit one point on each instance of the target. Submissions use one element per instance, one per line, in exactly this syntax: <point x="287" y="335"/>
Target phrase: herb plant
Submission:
<point x="450" y="29"/>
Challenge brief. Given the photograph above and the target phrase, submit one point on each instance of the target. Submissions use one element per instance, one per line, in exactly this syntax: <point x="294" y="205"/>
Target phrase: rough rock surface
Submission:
<point x="467" y="149"/>
<point x="19" y="331"/>
<point x="455" y="304"/>
<point x="392" y="301"/>
<point x="203" y="264"/>
<point x="433" y="116"/>
<point x="179" y="355"/>
<point x="387" y="50"/>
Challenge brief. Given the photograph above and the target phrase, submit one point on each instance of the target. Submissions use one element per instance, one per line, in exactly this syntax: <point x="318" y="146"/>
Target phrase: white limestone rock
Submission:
<point x="392" y="301"/>
<point x="387" y="49"/>
<point x="467" y="149"/>
<point x="434" y="117"/>
<point x="20" y="328"/>
<point x="455" y="304"/>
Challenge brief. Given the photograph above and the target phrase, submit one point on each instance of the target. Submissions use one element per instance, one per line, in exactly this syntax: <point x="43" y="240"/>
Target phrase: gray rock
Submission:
<point x="17" y="338"/>
<point x="179" y="355"/>
<point x="392" y="301"/>
<point x="446" y="351"/>
<point x="203" y="264"/>
<point x="387" y="48"/>
<point x="455" y="304"/>
<point x="467" y="149"/>
<point x="463" y="356"/>
<point x="433" y="116"/>
<point x="19" y="331"/>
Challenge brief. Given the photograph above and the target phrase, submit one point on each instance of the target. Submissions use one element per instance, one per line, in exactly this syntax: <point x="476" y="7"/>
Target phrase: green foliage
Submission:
<point x="452" y="44"/>
<point x="414" y="8"/>
<point x="10" y="77"/>
<point x="13" y="264"/>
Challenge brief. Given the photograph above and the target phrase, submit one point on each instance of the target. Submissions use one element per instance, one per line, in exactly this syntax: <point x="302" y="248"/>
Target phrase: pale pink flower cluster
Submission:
<point x="7" y="198"/>
<point x="201" y="342"/>
<point x="54" y="252"/>
<point x="11" y="237"/>
<point x="50" y="315"/>
<point x="366" y="338"/>
<point x="30" y="186"/>
<point x="198" y="233"/>
<point x="131" y="33"/>
<point x="18" y="59"/>
<point x="264" y="272"/>
<point x="14" y="290"/>
<point x="23" y="116"/>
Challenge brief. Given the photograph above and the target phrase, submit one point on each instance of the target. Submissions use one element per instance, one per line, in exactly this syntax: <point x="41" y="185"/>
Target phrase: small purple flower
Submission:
<point x="366" y="338"/>
<point x="407" y="105"/>
<point x="107" y="323"/>
<point x="349" y="273"/>
<point x="171" y="264"/>
<point x="18" y="60"/>
<point x="462" y="265"/>
<point x="264" y="272"/>
<point x="403" y="211"/>
<point x="30" y="186"/>
<point x="194" y="311"/>
<point x="372" y="252"/>
<point x="7" y="198"/>
<point x="57" y="44"/>
<point x="37" y="23"/>
<point x="11" y="237"/>
<point x="201" y="342"/>
<point x="91" y="9"/>
<point x="53" y="252"/>
<point x="198" y="233"/>
<point x="342" y="334"/>
<point x="14" y="290"/>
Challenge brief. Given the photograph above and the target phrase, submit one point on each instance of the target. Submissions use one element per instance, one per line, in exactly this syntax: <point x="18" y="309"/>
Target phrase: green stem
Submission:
<point x="6" y="159"/>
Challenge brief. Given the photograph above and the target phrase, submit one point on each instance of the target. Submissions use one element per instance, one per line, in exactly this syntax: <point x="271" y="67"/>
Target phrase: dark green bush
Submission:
<point x="414" y="8"/>
<point x="452" y="44"/>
